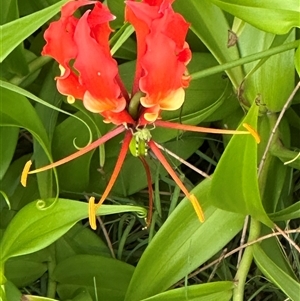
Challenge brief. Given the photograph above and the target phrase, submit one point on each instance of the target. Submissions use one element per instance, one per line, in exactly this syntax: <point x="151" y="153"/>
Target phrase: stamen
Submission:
<point x="252" y="131"/>
<point x="92" y="213"/>
<point x="171" y="172"/>
<point x="25" y="172"/>
<point x="117" y="169"/>
<point x="79" y="153"/>
<point x="193" y="128"/>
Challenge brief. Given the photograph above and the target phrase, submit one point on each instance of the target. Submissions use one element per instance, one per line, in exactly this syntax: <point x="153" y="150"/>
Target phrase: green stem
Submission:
<point x="245" y="60"/>
<point x="242" y="273"/>
<point x="33" y="66"/>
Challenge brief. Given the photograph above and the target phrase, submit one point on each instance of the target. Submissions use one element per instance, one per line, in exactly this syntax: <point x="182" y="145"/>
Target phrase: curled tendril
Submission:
<point x="45" y="204"/>
<point x="41" y="205"/>
<point x="293" y="160"/>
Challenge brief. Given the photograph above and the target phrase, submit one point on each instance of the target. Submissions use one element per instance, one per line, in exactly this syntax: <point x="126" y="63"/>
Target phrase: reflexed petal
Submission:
<point x="98" y="70"/>
<point x="60" y="34"/>
<point x="98" y="21"/>
<point x="140" y="15"/>
<point x="162" y="53"/>
<point x="162" y="64"/>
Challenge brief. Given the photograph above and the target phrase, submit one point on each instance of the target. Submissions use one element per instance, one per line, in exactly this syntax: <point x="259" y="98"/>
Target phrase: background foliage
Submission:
<point x="48" y="251"/>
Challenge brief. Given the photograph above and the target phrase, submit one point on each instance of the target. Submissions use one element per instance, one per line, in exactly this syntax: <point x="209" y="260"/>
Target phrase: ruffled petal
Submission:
<point x="97" y="69"/>
<point x="162" y="53"/>
<point x="60" y="34"/>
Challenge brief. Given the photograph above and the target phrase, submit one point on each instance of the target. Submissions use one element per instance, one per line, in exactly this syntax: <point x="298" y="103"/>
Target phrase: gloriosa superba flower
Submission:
<point x="89" y="73"/>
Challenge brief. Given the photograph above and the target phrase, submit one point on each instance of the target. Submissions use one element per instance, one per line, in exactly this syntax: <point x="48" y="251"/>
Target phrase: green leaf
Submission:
<point x="38" y="298"/>
<point x="269" y="268"/>
<point x="272" y="83"/>
<point x="117" y="9"/>
<point x="46" y="222"/>
<point x="110" y="277"/>
<point x="181" y="245"/>
<point x="297" y="60"/>
<point x="80" y="240"/>
<point x="291" y="212"/>
<point x="17" y="111"/>
<point x="234" y="184"/>
<point x="274" y="16"/>
<point x="24" y="272"/>
<point x="67" y="136"/>
<point x="8" y="142"/>
<point x="24" y="27"/>
<point x="274" y="249"/>
<point x="217" y="291"/>
<point x="9" y="292"/>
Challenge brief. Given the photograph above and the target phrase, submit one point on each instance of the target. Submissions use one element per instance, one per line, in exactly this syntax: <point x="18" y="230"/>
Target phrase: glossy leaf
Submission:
<point x="181" y="245"/>
<point x="217" y="291"/>
<point x="46" y="222"/>
<point x="297" y="60"/>
<point x="66" y="141"/>
<point x="273" y="248"/>
<point x="16" y="62"/>
<point x="109" y="276"/>
<point x="277" y="17"/>
<point x="24" y="27"/>
<point x="8" y="142"/>
<point x="272" y="83"/>
<point x="24" y="272"/>
<point x="9" y="292"/>
<point x="269" y="268"/>
<point x="238" y="169"/>
<point x="38" y="298"/>
<point x="80" y="240"/>
<point x="291" y="212"/>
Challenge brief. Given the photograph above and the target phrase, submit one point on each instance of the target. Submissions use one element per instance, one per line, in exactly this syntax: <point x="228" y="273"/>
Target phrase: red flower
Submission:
<point x="89" y="73"/>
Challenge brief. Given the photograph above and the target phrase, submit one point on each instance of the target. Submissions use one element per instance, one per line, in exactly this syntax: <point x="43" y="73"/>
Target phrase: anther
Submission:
<point x="92" y="213"/>
<point x="252" y="131"/>
<point x="25" y="172"/>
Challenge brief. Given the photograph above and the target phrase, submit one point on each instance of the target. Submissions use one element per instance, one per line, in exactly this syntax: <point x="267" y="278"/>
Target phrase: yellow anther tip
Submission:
<point x="252" y="131"/>
<point x="197" y="208"/>
<point x="70" y="99"/>
<point x="25" y="172"/>
<point x="92" y="213"/>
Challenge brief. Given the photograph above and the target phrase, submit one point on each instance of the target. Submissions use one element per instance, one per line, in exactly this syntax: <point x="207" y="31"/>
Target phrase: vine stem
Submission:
<point x="285" y="107"/>
<point x="254" y="229"/>
<point x="245" y="263"/>
<point x="245" y="60"/>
